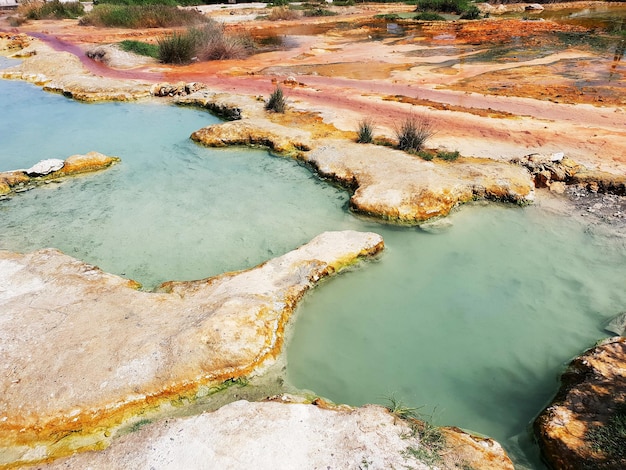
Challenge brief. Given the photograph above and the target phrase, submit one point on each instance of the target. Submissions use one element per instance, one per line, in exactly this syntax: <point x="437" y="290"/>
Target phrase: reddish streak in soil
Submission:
<point x="94" y="66"/>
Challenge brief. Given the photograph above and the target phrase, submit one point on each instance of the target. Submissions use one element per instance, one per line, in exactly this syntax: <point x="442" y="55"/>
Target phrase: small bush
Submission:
<point x="207" y="43"/>
<point x="283" y="13"/>
<point x="177" y="48"/>
<point x="135" y="16"/>
<point x="277" y="101"/>
<point x="413" y="133"/>
<point x="429" y="16"/>
<point x="141" y="48"/>
<point x="472" y="13"/>
<point x="444" y="6"/>
<point x="424" y="155"/>
<point x="365" y="132"/>
<point x="39" y="10"/>
<point x="449" y="156"/>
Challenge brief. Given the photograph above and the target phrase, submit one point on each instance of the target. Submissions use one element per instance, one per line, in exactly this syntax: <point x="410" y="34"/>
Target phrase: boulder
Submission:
<point x="277" y="435"/>
<point x="584" y="426"/>
<point x="84" y="351"/>
<point x="45" y="167"/>
<point x="113" y="56"/>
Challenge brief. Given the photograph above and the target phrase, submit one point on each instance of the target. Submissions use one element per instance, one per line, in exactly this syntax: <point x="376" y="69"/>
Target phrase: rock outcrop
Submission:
<point x="46" y="170"/>
<point x="585" y="426"/>
<point x="62" y="72"/>
<point x="243" y="434"/>
<point x="548" y="170"/>
<point x="83" y="350"/>
<point x="387" y="183"/>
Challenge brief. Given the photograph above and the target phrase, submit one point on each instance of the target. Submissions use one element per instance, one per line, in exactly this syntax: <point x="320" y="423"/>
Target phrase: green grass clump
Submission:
<point x="413" y="133"/>
<point x="53" y="10"/>
<point x="176" y="48"/>
<point x="140" y="48"/>
<point x="449" y="156"/>
<point x="432" y="442"/>
<point x="444" y="6"/>
<point x="135" y="16"/>
<point x="277" y="101"/>
<point x="365" y="132"/>
<point x="425" y="155"/>
<point x="610" y="439"/>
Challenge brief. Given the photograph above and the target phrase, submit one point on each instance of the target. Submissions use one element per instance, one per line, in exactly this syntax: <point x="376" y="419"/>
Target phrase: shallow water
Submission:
<point x="474" y="324"/>
<point x="171" y="209"/>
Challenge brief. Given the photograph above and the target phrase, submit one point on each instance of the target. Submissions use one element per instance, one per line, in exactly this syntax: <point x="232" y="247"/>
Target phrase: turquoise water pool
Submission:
<point x="472" y="324"/>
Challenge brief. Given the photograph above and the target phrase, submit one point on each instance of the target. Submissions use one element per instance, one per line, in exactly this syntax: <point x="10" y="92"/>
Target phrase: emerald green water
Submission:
<point x="474" y="323"/>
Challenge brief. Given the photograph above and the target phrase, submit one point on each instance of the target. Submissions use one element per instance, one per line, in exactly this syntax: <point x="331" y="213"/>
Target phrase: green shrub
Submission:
<point x="449" y="156"/>
<point x="424" y="155"/>
<point x="135" y="16"/>
<point x="413" y="133"/>
<point x="141" y="48"/>
<point x="277" y="101"/>
<point x="429" y="16"/>
<point x="54" y="9"/>
<point x="365" y="132"/>
<point x="472" y="13"/>
<point x="177" y="48"/>
<point x="444" y="6"/>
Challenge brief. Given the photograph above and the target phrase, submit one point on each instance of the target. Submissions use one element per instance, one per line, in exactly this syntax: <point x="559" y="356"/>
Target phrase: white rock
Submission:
<point x="45" y="167"/>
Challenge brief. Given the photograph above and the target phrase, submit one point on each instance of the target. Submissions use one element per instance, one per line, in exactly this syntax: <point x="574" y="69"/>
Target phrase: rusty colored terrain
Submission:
<point x="497" y="88"/>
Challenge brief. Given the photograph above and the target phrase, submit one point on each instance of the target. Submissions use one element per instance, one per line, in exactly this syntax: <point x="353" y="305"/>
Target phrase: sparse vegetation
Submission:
<point x="141" y="48"/>
<point x="39" y="10"/>
<point x="177" y="48"/>
<point x="444" y="6"/>
<point x="425" y="155"/>
<point x="413" y="133"/>
<point x="432" y="442"/>
<point x="471" y="13"/>
<point x="610" y="439"/>
<point x="447" y="155"/>
<point x="277" y="101"/>
<point x="207" y="43"/>
<point x="135" y="16"/>
<point x="365" y="132"/>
